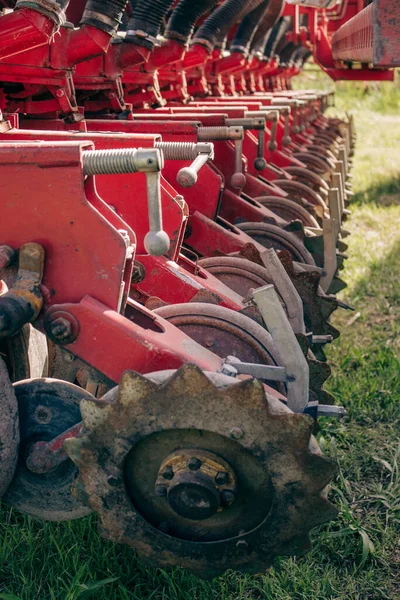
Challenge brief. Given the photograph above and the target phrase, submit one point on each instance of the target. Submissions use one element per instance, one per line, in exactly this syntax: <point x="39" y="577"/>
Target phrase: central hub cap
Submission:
<point x="193" y="496"/>
<point x="196" y="484"/>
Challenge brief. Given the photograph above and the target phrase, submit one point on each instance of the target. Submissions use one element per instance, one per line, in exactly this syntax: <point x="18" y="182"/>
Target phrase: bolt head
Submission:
<point x="160" y="490"/>
<point x="61" y="328"/>
<point x="222" y="478"/>
<point x="112" y="480"/>
<point x="229" y="370"/>
<point x="194" y="463"/>
<point x="236" y="433"/>
<point x="227" y="497"/>
<point x="168" y="473"/>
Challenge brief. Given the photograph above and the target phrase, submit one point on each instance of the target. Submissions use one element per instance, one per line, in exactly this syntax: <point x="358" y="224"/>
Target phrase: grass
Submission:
<point x="357" y="556"/>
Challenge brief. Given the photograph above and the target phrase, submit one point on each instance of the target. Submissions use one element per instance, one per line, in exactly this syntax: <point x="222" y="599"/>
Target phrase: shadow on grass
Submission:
<point x="384" y="193"/>
<point x="366" y="359"/>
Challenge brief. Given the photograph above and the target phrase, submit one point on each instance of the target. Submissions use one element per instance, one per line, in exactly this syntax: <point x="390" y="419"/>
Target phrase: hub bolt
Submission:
<point x="61" y="329"/>
<point x="236" y="433"/>
<point x="194" y="463"/>
<point x="112" y="480"/>
<point x="168" y="473"/>
<point x="160" y="490"/>
<point x="227" y="497"/>
<point x="221" y="478"/>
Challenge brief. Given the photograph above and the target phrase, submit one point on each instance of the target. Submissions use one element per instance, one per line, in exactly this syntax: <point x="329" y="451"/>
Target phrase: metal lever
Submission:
<point x="285" y="288"/>
<point x="285" y="111"/>
<point x="287" y="345"/>
<point x="256" y="124"/>
<point x="223" y="134"/>
<point x="272" y="116"/>
<point x="292" y="105"/>
<point x="199" y="153"/>
<point x="264" y="372"/>
<point x="135" y="160"/>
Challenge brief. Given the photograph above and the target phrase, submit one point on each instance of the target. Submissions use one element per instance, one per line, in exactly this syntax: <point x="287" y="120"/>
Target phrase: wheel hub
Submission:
<point x="198" y="475"/>
<point x="196" y="484"/>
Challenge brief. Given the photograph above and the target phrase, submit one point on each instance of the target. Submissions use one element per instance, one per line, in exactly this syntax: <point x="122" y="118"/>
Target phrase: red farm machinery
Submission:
<point x="172" y="226"/>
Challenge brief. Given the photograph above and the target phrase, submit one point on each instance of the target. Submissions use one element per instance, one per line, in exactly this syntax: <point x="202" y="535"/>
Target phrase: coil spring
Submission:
<point x="109" y="162"/>
<point x="178" y="150"/>
<point x="219" y="133"/>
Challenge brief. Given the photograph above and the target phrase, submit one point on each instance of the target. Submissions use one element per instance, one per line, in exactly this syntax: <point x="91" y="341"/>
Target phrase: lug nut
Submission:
<point x="227" y="497"/>
<point x="160" y="490"/>
<point x="221" y="478"/>
<point x="236" y="433"/>
<point x="168" y="473"/>
<point x="112" y="480"/>
<point x="229" y="370"/>
<point x="60" y="328"/>
<point x="138" y="272"/>
<point x="194" y="463"/>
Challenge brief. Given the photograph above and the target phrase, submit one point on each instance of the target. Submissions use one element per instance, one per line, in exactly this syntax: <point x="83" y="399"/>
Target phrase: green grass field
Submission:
<point x="356" y="557"/>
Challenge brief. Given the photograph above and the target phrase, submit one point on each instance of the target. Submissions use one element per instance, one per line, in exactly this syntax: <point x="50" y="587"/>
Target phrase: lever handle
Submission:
<point x="256" y="124"/>
<point x="133" y="160"/>
<point x="271" y="116"/>
<point x="199" y="153"/>
<point x="230" y="133"/>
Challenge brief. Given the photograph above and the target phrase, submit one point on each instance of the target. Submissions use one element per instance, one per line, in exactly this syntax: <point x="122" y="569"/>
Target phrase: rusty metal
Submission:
<point x="282" y="478"/>
<point x="47" y="407"/>
<point x="22" y="303"/>
<point x="9" y="429"/>
<point x="195" y="483"/>
<point x="7" y="254"/>
<point x="25" y="354"/>
<point x="271" y="236"/>
<point x="223" y="331"/>
<point x="371" y="36"/>
<point x="239" y="274"/>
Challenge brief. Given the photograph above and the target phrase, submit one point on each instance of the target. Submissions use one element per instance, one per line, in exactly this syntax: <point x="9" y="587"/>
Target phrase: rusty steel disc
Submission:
<point x="223" y="331"/>
<point x="202" y="476"/>
<point x="288" y="210"/>
<point x="309" y="178"/>
<point x="239" y="274"/>
<point x="9" y="429"/>
<point x="25" y="354"/>
<point x="316" y="163"/>
<point x="300" y="192"/>
<point x="271" y="236"/>
<point x="47" y="407"/>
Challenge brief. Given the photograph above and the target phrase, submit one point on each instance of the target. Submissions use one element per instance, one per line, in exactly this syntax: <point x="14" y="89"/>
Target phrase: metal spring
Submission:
<point x="178" y="150"/>
<point x="219" y="133"/>
<point x="109" y="162"/>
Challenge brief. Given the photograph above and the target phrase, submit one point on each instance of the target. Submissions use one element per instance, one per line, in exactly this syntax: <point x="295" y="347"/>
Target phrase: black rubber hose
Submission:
<point x="247" y="29"/>
<point x="301" y="56"/>
<point x="278" y="32"/>
<point x="145" y="24"/>
<point x="264" y="29"/>
<point x="54" y="11"/>
<point x="282" y="41"/>
<point x="184" y="17"/>
<point x="104" y="14"/>
<point x="215" y="28"/>
<point x="287" y="53"/>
